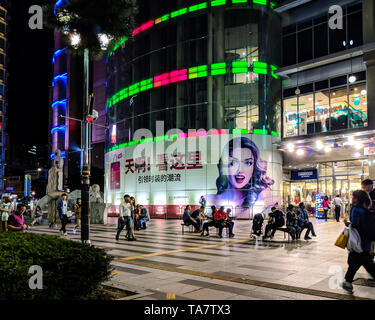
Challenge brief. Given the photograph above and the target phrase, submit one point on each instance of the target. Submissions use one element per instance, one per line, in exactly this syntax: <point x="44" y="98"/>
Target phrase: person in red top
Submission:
<point x="326" y="205"/>
<point x="16" y="221"/>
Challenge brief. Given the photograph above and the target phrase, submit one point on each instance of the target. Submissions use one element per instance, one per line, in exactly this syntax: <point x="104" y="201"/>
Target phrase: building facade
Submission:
<point x="4" y="18"/>
<point x="194" y="108"/>
<point x="328" y="77"/>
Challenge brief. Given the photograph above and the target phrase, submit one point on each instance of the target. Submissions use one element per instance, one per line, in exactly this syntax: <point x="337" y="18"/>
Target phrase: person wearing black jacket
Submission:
<point x="276" y="220"/>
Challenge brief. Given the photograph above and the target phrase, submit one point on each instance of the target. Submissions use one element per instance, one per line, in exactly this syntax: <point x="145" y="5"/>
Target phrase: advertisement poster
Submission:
<point x="239" y="172"/>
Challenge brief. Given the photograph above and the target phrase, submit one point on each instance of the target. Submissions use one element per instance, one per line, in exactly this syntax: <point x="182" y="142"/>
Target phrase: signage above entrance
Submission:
<point x="304" y="175"/>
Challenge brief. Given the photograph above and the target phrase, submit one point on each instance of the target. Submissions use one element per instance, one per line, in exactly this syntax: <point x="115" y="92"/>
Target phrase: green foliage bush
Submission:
<point x="71" y="270"/>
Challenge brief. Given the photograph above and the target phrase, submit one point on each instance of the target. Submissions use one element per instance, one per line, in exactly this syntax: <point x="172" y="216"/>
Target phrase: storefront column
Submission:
<point x="371" y="167"/>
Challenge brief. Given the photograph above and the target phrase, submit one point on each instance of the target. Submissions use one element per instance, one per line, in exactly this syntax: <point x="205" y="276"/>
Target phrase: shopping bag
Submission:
<point x="342" y="240"/>
<point x="69" y="214"/>
<point x="354" y="243"/>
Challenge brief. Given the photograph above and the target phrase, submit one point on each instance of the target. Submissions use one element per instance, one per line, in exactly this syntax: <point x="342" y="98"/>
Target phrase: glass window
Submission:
<point x="339" y="81"/>
<point x="305" y="50"/>
<point x="339" y="109"/>
<point x="321" y="85"/>
<point x="320" y="40"/>
<point x="337" y="39"/>
<point x="241" y="118"/>
<point x="358" y="106"/>
<point x="322" y="111"/>
<point x="289" y="50"/>
<point x="304" y="25"/>
<point x="290" y="117"/>
<point x="289" y="29"/>
<point x="306" y="114"/>
<point x="355" y="30"/>
<point x="253" y="115"/>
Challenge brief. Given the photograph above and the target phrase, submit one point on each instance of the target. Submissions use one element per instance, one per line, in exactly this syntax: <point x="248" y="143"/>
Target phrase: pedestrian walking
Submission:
<point x="125" y="219"/>
<point x="360" y="208"/>
<point x="368" y="186"/>
<point x="326" y="206"/>
<point x="5" y="210"/>
<point x="78" y="211"/>
<point x="62" y="208"/>
<point x="133" y="205"/>
<point x="338" y="204"/>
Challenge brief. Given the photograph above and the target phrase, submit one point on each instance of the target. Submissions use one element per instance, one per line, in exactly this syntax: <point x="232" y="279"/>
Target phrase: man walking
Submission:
<point x="337" y="202"/>
<point x="125" y="219"/>
<point x="62" y="208"/>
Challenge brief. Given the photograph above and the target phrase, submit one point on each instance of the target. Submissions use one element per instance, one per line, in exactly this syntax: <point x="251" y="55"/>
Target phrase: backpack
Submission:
<point x="368" y="228"/>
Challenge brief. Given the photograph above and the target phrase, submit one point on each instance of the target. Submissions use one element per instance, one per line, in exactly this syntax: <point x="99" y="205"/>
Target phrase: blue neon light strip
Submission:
<point x="61" y="128"/>
<point x="57" y="54"/>
<point x="52" y="155"/>
<point x="59" y="103"/>
<point x="63" y="76"/>
<point x="60" y="3"/>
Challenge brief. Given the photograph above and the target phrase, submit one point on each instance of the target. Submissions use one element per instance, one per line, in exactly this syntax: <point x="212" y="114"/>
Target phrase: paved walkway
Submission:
<point x="164" y="264"/>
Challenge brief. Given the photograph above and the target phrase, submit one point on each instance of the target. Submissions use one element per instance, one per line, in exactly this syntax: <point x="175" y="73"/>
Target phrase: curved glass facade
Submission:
<point x="196" y="65"/>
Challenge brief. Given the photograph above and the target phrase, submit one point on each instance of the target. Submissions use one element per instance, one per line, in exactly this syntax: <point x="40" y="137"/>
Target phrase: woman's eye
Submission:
<point x="249" y="163"/>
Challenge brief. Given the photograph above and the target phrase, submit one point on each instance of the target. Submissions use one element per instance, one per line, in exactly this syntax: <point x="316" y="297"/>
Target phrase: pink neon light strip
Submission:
<point x="161" y="80"/>
<point x="136" y="31"/>
<point x="178" y="75"/>
<point x="201" y="133"/>
<point x="147" y="25"/>
<point x="182" y="135"/>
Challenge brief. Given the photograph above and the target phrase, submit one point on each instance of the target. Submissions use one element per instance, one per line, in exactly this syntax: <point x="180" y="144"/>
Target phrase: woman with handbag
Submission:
<point x="360" y="207"/>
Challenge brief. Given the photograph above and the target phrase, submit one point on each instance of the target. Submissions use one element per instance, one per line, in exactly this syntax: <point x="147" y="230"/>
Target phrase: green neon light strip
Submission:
<point x="259" y="131"/>
<point x="218" y="68"/>
<point x="134" y="89"/>
<point x="197" y="7"/>
<point x="147" y="84"/>
<point x="260" y="67"/>
<point x="198" y="72"/>
<point x="176" y="136"/>
<point x="216" y="3"/>
<point x="262" y="2"/>
<point x="273" y="69"/>
<point x="193" y="8"/>
<point x="239" y="67"/>
<point x="178" y="13"/>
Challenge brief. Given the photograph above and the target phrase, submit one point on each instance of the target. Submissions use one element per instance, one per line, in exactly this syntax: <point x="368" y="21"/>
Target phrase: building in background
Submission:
<point x="4" y="18"/>
<point x="67" y="102"/>
<point x="328" y="99"/>
<point x="207" y="69"/>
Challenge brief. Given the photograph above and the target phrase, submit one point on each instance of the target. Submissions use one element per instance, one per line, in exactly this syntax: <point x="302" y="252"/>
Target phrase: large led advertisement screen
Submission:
<point x="241" y="172"/>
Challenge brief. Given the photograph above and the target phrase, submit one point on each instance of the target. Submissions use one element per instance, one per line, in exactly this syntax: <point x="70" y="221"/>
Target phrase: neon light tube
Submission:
<point x="198" y="72"/>
<point x="260" y="67"/>
<point x="262" y="2"/>
<point x="218" y="68"/>
<point x="147" y="84"/>
<point x="273" y="69"/>
<point x="198" y="7"/>
<point x="59" y="102"/>
<point x="57" y="54"/>
<point x="239" y="67"/>
<point x="61" y="128"/>
<point x="178" y="75"/>
<point x="161" y="80"/>
<point x="239" y="1"/>
<point x="215" y="3"/>
<point x="134" y="89"/>
<point x="63" y="76"/>
<point x="147" y="25"/>
<point x="178" y="13"/>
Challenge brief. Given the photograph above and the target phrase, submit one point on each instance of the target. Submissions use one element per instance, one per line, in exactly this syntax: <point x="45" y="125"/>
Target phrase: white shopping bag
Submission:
<point x="354" y="243"/>
<point x="69" y="214"/>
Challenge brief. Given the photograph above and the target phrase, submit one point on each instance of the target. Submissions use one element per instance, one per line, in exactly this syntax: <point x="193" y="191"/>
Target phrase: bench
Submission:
<point x="183" y="225"/>
<point x="286" y="231"/>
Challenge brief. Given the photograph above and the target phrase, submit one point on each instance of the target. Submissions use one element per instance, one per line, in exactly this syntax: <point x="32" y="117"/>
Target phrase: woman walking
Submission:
<point x="360" y="206"/>
<point x="77" y="210"/>
<point x="326" y="205"/>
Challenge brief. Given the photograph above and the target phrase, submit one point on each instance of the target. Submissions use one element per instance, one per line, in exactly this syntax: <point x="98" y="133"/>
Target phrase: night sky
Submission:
<point x="30" y="75"/>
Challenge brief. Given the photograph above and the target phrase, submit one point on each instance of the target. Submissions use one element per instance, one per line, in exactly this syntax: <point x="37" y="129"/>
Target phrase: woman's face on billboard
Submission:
<point x="240" y="167"/>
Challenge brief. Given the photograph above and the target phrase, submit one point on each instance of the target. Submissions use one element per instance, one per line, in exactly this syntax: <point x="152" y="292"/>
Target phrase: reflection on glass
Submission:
<point x="339" y="109"/>
<point x="306" y="114"/>
<point x="290" y="117"/>
<point x="358" y="106"/>
<point x="322" y="111"/>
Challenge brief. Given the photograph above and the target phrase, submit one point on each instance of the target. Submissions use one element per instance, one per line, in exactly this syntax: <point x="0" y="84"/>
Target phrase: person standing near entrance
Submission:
<point x="337" y="202"/>
<point x="326" y="205"/>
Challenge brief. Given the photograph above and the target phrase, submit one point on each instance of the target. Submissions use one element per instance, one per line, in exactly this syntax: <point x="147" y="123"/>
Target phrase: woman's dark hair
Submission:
<point x="367" y="182"/>
<point x="326" y="198"/>
<point x="290" y="207"/>
<point x="258" y="182"/>
<point x="362" y="197"/>
<point x="301" y="204"/>
<point x="213" y="208"/>
<point x="38" y="208"/>
<point x="187" y="207"/>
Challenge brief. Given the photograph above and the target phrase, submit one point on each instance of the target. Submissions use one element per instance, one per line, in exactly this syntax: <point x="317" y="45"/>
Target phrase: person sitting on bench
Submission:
<point x="199" y="216"/>
<point x="292" y="222"/>
<point x="304" y="223"/>
<point x="276" y="220"/>
<point x="229" y="223"/>
<point x="188" y="220"/>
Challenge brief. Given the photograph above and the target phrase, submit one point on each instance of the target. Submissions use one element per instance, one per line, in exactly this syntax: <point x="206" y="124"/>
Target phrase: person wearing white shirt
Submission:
<point x="125" y="219"/>
<point x="337" y="202"/>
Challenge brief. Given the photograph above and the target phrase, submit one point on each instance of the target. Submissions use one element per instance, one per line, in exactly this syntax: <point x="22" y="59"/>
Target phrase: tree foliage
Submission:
<point x="88" y="18"/>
